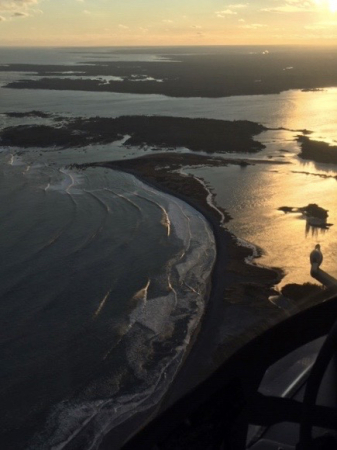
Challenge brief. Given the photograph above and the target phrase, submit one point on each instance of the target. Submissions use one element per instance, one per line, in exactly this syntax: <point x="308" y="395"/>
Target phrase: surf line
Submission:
<point x="123" y="197"/>
<point x="142" y="293"/>
<point x="72" y="180"/>
<point x="165" y="221"/>
<point x="257" y="252"/>
<point x="100" y="307"/>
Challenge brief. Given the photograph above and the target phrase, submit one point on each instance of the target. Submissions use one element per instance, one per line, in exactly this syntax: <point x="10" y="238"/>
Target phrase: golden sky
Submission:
<point x="160" y="22"/>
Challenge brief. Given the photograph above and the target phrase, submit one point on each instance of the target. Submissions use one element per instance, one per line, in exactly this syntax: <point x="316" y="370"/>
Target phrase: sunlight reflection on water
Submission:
<point x="293" y="109"/>
<point x="253" y="195"/>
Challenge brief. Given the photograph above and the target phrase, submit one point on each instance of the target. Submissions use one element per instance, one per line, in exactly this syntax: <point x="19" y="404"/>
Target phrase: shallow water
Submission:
<point x="103" y="284"/>
<point x="252" y="198"/>
<point x="296" y="110"/>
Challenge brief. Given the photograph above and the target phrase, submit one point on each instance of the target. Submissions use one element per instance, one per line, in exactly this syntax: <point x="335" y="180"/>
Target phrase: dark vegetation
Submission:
<point x="210" y="72"/>
<point x="20" y="115"/>
<point x="40" y="136"/>
<point x="317" y="151"/>
<point x="304" y="291"/>
<point x="311" y="210"/>
<point x="168" y="132"/>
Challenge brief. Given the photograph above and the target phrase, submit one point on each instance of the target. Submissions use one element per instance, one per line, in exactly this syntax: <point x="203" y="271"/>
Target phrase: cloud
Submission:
<point x="225" y="12"/>
<point x="167" y="21"/>
<point x="20" y="14"/>
<point x="2" y="19"/>
<point x="253" y="26"/>
<point x="231" y="10"/>
<point x="85" y="11"/>
<point x="292" y="6"/>
<point x="238" y="6"/>
<point x="321" y="25"/>
<point x="15" y="9"/>
<point x="9" y="5"/>
<point x="197" y="27"/>
<point x="315" y="27"/>
<point x="123" y="27"/>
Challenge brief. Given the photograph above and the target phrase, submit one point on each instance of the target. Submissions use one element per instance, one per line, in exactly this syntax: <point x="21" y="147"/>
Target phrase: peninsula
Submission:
<point x="211" y="136"/>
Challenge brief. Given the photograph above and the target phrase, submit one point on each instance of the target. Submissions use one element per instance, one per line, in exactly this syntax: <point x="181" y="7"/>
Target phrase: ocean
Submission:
<point x="104" y="278"/>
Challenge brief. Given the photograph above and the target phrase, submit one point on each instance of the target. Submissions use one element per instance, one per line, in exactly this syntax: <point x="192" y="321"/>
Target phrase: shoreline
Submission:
<point x="317" y="151"/>
<point x="147" y="88"/>
<point x="231" y="283"/>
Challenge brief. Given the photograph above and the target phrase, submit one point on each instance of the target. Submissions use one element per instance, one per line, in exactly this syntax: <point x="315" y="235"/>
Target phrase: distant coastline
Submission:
<point x="153" y="87"/>
<point x="214" y="73"/>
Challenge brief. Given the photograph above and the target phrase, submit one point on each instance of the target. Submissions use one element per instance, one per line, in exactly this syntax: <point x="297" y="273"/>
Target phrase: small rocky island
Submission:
<point x="317" y="151"/>
<point x="316" y="215"/>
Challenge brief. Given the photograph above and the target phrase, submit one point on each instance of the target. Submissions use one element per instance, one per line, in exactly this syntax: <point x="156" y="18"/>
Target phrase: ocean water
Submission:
<point x="104" y="279"/>
<point x="103" y="284"/>
<point x="284" y="240"/>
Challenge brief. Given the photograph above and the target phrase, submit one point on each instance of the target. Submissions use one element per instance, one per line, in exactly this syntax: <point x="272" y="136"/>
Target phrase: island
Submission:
<point x="315" y="215"/>
<point x="317" y="151"/>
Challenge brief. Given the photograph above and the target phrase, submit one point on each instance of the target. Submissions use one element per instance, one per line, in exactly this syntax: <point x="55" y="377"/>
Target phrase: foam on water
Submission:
<point x="164" y="314"/>
<point x="256" y="252"/>
<point x="67" y="183"/>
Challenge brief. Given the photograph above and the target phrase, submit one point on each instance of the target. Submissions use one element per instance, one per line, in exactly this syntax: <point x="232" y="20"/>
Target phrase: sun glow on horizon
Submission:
<point x="134" y="23"/>
<point x="332" y="4"/>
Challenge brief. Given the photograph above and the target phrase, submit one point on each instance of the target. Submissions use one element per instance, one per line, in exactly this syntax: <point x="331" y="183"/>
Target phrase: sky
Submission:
<point x="173" y="22"/>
